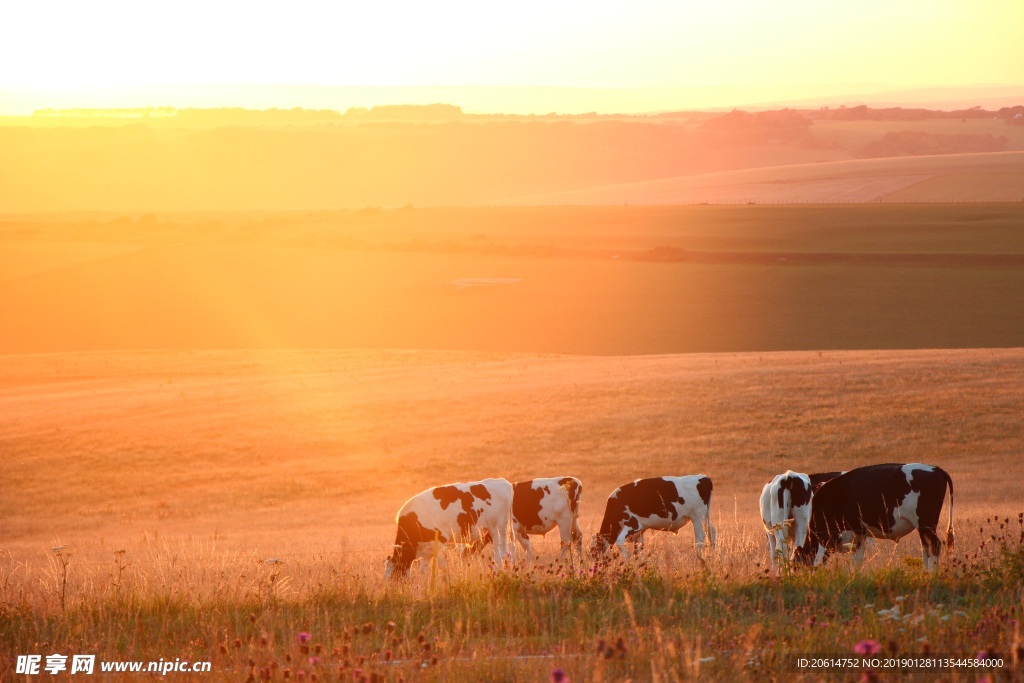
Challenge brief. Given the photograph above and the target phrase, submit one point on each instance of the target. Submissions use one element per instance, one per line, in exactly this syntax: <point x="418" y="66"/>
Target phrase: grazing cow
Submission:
<point x="539" y="505"/>
<point x="665" y="503"/>
<point x="882" y="501"/>
<point x="785" y="502"/>
<point x="448" y="514"/>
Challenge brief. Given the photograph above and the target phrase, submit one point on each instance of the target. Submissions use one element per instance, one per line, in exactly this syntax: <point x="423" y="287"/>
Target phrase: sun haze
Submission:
<point x="116" y="53"/>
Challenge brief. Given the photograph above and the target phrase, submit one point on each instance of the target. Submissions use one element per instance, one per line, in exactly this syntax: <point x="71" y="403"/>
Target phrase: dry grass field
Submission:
<point x="856" y="134"/>
<point x="991" y="177"/>
<point x="176" y="481"/>
<point x="579" y="280"/>
<point x="214" y="418"/>
<point x="234" y="160"/>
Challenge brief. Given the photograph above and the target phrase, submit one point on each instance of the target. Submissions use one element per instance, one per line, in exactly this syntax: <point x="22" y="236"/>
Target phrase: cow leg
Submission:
<point x="700" y="538"/>
<point x="565" y="535"/>
<point x="625" y="534"/>
<point x="780" y="526"/>
<point x="801" y="521"/>
<point x="501" y="545"/>
<point x="781" y="543"/>
<point x="478" y="544"/>
<point x="932" y="546"/>
<point x="772" y="549"/>
<point x="629" y="532"/>
<point x="524" y="541"/>
<point x="576" y="539"/>
<point x="429" y="557"/>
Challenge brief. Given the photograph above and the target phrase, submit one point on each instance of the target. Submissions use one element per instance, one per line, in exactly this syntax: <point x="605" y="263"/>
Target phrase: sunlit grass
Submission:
<point x="215" y="505"/>
<point x="663" y="618"/>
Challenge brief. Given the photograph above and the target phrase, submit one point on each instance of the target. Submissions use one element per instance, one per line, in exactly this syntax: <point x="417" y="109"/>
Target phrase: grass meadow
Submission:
<point x="943" y="178"/>
<point x="236" y="506"/>
<point x="622" y="280"/>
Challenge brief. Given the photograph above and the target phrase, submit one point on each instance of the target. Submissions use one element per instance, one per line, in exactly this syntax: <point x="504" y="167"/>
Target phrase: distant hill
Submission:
<point x="997" y="177"/>
<point x="166" y="159"/>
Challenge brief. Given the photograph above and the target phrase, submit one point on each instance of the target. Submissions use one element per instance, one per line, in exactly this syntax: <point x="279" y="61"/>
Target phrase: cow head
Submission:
<point x="805" y="554"/>
<point x="476" y="545"/>
<point x="410" y="533"/>
<point x="395" y="565"/>
<point x="599" y="546"/>
<point x="819" y="546"/>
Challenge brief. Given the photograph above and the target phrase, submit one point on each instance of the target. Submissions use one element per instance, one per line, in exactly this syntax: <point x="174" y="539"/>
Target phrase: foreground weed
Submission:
<point x="593" y="621"/>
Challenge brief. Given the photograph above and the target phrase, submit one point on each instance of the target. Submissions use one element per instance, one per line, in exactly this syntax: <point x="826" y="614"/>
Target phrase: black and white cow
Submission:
<point x="820" y="478"/>
<point x="540" y="505"/>
<point x="785" y="503"/>
<point x="664" y="503"/>
<point x="456" y="513"/>
<point x="881" y="501"/>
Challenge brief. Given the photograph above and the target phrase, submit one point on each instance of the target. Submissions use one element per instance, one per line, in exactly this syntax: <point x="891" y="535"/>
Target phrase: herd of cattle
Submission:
<point x="818" y="513"/>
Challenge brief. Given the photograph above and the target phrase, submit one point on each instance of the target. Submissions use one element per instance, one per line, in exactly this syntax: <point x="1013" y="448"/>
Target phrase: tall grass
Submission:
<point x="664" y="617"/>
<point x="219" y="505"/>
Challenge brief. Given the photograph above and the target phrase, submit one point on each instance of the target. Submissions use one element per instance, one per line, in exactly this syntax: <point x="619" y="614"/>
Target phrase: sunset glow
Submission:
<point x="268" y="270"/>
<point x="118" y="53"/>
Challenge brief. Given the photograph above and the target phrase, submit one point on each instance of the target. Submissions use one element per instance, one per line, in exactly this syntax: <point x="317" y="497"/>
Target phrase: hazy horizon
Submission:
<point x="512" y="100"/>
<point x="568" y="58"/>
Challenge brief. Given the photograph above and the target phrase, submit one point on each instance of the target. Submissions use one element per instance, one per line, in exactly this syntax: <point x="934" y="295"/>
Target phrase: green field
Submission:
<point x="626" y="280"/>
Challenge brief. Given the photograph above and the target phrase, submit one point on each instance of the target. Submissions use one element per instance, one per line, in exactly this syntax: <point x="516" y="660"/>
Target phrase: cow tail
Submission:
<point x="949" y="527"/>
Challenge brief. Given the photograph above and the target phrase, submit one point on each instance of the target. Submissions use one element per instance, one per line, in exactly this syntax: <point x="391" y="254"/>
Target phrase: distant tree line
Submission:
<point x="784" y="125"/>
<point x="865" y="113"/>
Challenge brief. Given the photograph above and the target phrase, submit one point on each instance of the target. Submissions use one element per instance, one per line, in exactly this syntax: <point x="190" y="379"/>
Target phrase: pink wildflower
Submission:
<point x="867" y="647"/>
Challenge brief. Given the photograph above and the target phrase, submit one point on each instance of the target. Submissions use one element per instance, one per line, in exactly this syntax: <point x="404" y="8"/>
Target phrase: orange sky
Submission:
<point x="127" y="53"/>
